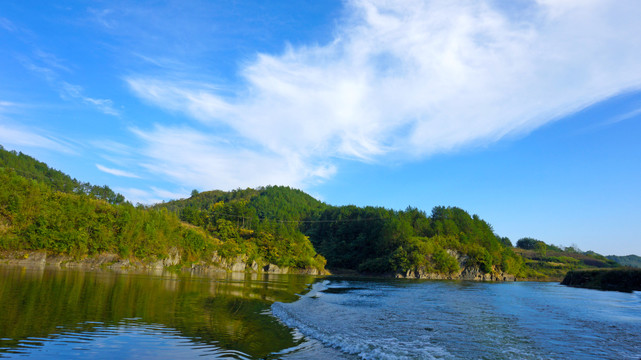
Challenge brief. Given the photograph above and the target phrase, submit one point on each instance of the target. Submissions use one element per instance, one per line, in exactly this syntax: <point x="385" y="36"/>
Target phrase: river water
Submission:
<point x="69" y="314"/>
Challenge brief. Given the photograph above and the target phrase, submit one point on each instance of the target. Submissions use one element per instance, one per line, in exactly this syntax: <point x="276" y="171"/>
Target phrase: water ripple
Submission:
<point x="452" y="320"/>
<point x="129" y="338"/>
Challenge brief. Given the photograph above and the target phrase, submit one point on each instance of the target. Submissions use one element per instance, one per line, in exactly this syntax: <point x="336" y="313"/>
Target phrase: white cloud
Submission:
<point x="66" y="90"/>
<point x="203" y="161"/>
<point x="48" y="66"/>
<point x="117" y="172"/>
<point x="51" y="60"/>
<point x="138" y="196"/>
<point x="148" y="197"/>
<point x="7" y="25"/>
<point x="18" y="137"/>
<point x="7" y="106"/>
<point x="401" y="79"/>
<point x="626" y="116"/>
<point x="74" y="91"/>
<point x="166" y="194"/>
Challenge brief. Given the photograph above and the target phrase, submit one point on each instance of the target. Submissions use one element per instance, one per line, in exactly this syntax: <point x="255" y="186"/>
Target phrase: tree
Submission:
<point x="505" y="241"/>
<point x="527" y="243"/>
<point x="541" y="249"/>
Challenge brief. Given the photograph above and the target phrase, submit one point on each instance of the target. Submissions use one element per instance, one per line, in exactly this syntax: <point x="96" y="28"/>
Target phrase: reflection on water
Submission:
<point x="67" y="313"/>
<point x="105" y="315"/>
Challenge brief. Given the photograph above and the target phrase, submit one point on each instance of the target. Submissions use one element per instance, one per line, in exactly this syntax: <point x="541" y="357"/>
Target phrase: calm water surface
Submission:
<point x="47" y="313"/>
<point x="76" y="314"/>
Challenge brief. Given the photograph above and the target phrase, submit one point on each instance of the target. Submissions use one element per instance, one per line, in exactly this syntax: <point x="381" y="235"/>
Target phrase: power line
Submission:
<point x="298" y="221"/>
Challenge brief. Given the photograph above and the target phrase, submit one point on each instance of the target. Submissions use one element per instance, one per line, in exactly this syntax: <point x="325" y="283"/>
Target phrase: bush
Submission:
<point x="444" y="262"/>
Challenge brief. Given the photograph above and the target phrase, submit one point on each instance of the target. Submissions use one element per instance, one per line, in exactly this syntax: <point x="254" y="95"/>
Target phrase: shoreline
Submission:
<point x="109" y="261"/>
<point x="624" y="279"/>
<point x="172" y="264"/>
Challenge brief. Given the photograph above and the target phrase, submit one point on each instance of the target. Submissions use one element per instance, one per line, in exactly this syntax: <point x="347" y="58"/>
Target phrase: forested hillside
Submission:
<point x="377" y="240"/>
<point x="30" y="168"/>
<point x="628" y="260"/>
<point x="33" y="216"/>
<point x="257" y="223"/>
<point x="550" y="261"/>
<point x="42" y="208"/>
<point x="369" y="240"/>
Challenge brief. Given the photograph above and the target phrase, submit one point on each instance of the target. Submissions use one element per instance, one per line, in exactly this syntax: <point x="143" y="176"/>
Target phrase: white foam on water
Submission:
<point x="353" y="324"/>
<point x="444" y="320"/>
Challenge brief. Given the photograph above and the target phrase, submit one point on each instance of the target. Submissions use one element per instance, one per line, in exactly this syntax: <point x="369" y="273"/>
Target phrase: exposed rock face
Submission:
<point x="467" y="272"/>
<point x="171" y="260"/>
<point x="274" y="269"/>
<point x="114" y="261"/>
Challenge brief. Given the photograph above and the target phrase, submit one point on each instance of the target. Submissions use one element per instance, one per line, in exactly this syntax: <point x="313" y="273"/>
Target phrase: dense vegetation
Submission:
<point x="369" y="239"/>
<point x="628" y="260"/>
<point x="42" y="208"/>
<point x="545" y="261"/>
<point x="30" y="168"/>
<point x="33" y="216"/>
<point x="377" y="240"/>
<point x="621" y="279"/>
<point x="256" y="223"/>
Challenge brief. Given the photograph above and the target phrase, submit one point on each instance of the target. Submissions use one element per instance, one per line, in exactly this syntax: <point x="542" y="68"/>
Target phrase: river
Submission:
<point x="72" y="314"/>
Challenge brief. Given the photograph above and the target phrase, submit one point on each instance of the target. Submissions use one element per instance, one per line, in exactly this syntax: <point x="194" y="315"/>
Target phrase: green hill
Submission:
<point x="368" y="240"/>
<point x="42" y="208"/>
<point x="545" y="261"/>
<point x="33" y="216"/>
<point x="377" y="240"/>
<point x="30" y="168"/>
<point x="628" y="260"/>
<point x="260" y="224"/>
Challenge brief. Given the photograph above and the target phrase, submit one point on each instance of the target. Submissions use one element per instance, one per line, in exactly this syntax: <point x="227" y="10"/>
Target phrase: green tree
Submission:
<point x="541" y="249"/>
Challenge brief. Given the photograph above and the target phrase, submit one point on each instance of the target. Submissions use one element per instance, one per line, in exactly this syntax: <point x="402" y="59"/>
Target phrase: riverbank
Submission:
<point x="218" y="264"/>
<point x="112" y="261"/>
<point x="621" y="279"/>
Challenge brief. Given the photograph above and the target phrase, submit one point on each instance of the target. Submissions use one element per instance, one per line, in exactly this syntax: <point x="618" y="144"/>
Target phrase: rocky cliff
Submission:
<point x="114" y="261"/>
<point x="467" y="271"/>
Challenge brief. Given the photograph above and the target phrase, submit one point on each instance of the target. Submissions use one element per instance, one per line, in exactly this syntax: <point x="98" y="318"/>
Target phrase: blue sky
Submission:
<point x="527" y="113"/>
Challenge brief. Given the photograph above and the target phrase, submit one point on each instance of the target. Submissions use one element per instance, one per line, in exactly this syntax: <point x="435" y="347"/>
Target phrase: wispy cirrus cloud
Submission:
<point x="206" y="161"/>
<point x="19" y="137"/>
<point x="117" y="172"/>
<point x="629" y="115"/>
<point x="7" y="106"/>
<point x="399" y="80"/>
<point x="150" y="196"/>
<point x="7" y="24"/>
<point x="106" y="106"/>
<point x="50" y="67"/>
